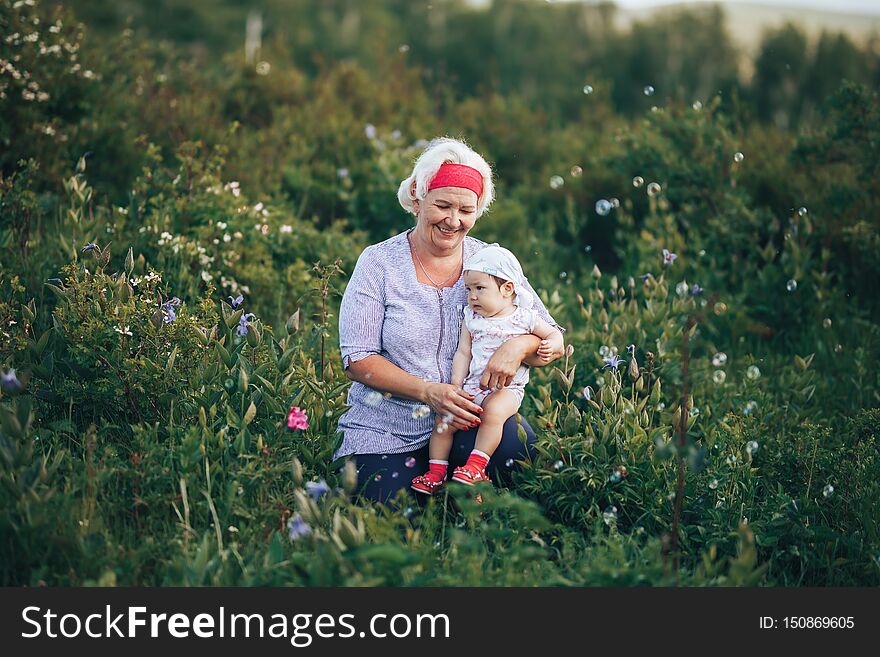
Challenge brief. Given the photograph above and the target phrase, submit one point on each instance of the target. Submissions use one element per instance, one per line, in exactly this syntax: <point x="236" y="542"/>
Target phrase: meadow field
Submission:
<point x="180" y="210"/>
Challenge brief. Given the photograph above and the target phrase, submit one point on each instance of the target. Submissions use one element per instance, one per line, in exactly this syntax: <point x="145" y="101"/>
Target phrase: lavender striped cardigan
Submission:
<point x="387" y="311"/>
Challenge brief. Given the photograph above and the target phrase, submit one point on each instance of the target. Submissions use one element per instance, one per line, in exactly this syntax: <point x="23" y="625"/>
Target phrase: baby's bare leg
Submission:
<point x="497" y="407"/>
<point x="441" y="441"/>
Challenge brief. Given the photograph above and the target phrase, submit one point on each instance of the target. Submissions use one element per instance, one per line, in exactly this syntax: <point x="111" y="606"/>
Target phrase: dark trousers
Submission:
<point x="380" y="476"/>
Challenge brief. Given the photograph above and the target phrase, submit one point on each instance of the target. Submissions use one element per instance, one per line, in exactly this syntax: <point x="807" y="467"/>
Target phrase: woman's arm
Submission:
<point x="523" y="349"/>
<point x="445" y="399"/>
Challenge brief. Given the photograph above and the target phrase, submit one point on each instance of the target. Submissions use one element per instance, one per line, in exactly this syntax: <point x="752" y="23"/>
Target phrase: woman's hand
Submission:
<point x="504" y="363"/>
<point x="452" y="404"/>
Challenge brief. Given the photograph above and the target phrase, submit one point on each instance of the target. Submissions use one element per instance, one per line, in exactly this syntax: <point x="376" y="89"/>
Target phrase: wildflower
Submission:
<point x="696" y="290"/>
<point x="612" y="361"/>
<point x="286" y="228"/>
<point x="370" y="131"/>
<point x="243" y="323"/>
<point x="168" y="309"/>
<point x="298" y="528"/>
<point x="258" y="207"/>
<point x="9" y="381"/>
<point x="125" y="330"/>
<point x="297" y="419"/>
<point x="235" y="303"/>
<point x="588" y="393"/>
<point x="342" y="173"/>
<point x="88" y="247"/>
<point x="317" y="489"/>
<point x="668" y="257"/>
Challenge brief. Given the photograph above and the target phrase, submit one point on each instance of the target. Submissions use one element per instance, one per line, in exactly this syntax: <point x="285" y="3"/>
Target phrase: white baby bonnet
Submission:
<point x="497" y="261"/>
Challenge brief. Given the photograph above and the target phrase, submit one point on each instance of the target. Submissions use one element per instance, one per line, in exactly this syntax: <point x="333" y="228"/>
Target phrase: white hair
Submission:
<point x="444" y="150"/>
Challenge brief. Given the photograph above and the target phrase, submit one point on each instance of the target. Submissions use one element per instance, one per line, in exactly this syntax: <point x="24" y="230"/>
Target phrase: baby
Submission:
<point x="498" y="308"/>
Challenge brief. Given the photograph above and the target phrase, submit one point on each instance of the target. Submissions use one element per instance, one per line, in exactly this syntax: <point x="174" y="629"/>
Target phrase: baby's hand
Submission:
<point x="545" y="351"/>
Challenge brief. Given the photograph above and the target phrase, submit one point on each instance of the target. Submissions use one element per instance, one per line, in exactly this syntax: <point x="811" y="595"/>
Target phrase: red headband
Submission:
<point x="458" y="175"/>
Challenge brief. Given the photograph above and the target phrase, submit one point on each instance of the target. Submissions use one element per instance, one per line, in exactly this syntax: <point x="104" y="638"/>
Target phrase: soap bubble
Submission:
<point x="738" y="157"/>
<point x="648" y="90"/>
<point x="421" y="411"/>
<point x="509" y="463"/>
<point x="654" y="189"/>
<point x="638" y="181"/>
<point x="719" y="376"/>
<point x="752" y="447"/>
<point x="410" y="462"/>
<point x="395" y="475"/>
<point x="556" y="182"/>
<point x="558" y="465"/>
<point x="719" y="359"/>
<point x="827" y="490"/>
<point x="588" y="89"/>
<point x="826" y="322"/>
<point x="753" y="372"/>
<point x="694" y="412"/>
<point x="802" y="211"/>
<point x="750" y="407"/>
<point x="603" y="207"/>
<point x="576" y="171"/>
<point x="791" y="286"/>
<point x="697" y="105"/>
<point x="609" y="515"/>
<point x="713" y="484"/>
<point x="373" y="398"/>
<point x="720" y="308"/>
<point x="615" y="203"/>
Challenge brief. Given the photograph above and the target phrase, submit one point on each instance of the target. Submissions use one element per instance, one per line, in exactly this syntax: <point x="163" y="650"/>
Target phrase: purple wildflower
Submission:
<point x="317" y="489"/>
<point x="243" y="324"/>
<point x="88" y="247"/>
<point x="342" y="173"/>
<point x="645" y="277"/>
<point x="696" y="290"/>
<point x="168" y="308"/>
<point x="298" y="528"/>
<point x="236" y="302"/>
<point x="588" y="393"/>
<point x="613" y="361"/>
<point x="9" y="381"/>
<point x="668" y="257"/>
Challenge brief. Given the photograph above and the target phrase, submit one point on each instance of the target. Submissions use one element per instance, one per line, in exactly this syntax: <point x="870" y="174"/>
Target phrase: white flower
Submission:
<point x="226" y="237"/>
<point x="258" y="206"/>
<point x="286" y="228"/>
<point x="123" y="331"/>
<point x="206" y="276"/>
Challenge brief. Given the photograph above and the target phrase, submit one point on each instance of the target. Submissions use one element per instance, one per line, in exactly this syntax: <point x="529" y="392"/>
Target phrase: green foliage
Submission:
<point x="146" y="439"/>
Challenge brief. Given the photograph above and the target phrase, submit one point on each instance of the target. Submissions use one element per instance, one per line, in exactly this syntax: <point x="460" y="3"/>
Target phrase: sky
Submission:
<point x="849" y="6"/>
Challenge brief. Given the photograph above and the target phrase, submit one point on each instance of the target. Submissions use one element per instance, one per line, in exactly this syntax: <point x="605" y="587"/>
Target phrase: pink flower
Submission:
<point x="297" y="419"/>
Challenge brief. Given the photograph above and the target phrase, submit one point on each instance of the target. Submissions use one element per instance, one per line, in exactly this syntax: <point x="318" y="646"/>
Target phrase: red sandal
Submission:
<point x="428" y="483"/>
<point x="469" y="474"/>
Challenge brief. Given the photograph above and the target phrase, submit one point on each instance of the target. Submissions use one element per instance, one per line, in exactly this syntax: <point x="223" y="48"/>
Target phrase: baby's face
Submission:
<point x="485" y="297"/>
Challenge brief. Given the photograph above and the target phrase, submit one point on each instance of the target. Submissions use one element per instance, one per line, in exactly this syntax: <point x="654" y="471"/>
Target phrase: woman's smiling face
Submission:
<point x="446" y="215"/>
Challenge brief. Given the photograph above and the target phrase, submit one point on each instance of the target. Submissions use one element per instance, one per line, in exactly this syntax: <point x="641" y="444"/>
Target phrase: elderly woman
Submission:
<point x="399" y="326"/>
